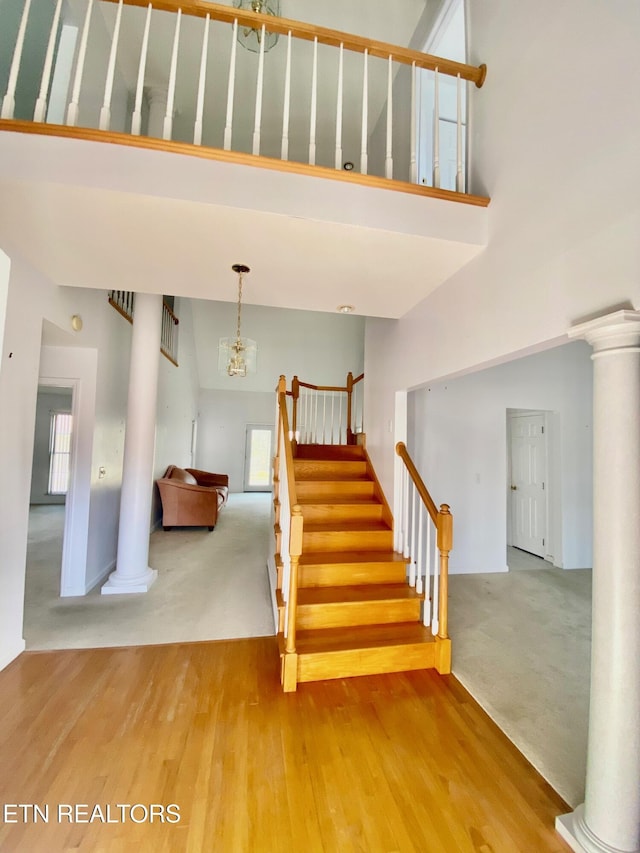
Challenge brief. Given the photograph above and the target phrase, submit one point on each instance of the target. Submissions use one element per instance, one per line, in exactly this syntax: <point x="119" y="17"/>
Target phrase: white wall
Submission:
<point x="553" y="145"/>
<point x="49" y="401"/>
<point x="224" y="416"/>
<point x="318" y="347"/>
<point x="458" y="439"/>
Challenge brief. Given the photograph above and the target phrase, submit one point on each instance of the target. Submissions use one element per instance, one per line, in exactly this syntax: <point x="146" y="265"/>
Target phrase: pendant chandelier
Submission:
<point x="252" y="38"/>
<point x="237" y="356"/>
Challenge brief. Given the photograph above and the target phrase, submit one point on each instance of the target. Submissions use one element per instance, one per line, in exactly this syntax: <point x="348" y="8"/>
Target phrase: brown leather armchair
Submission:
<point x="192" y="498"/>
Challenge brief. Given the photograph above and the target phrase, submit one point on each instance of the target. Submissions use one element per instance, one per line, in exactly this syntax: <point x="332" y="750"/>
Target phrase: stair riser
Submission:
<point x="334" y="451"/>
<point x="345" y="614"/>
<point x="318" y="666"/>
<point x="306" y="469"/>
<point x="348" y="540"/>
<point x="321" y="490"/>
<point x="351" y="574"/>
<point x="326" y="513"/>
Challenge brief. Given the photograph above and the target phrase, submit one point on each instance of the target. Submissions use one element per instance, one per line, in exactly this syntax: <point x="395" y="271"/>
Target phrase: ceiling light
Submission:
<point x="346" y="309"/>
<point x="251" y="38"/>
<point x="237" y="356"/>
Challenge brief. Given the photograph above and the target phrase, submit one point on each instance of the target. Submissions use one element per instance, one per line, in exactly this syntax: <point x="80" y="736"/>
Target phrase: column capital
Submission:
<point x="615" y="331"/>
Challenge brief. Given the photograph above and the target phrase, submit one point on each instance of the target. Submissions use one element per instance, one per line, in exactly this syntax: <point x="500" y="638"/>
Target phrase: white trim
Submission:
<point x="442" y="21"/>
<point x="12" y="654"/>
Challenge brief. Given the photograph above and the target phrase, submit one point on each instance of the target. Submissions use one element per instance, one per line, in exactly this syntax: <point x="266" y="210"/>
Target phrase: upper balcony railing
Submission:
<point x="323" y="101"/>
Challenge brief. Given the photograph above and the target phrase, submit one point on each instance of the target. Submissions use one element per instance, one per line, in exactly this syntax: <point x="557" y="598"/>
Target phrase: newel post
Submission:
<point x="290" y="661"/>
<point x="349" y="401"/>
<point x="445" y="544"/>
<point x="295" y="393"/>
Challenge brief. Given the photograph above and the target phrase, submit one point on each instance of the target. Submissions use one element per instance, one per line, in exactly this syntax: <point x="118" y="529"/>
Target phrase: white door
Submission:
<point x="528" y="488"/>
<point x="258" y="461"/>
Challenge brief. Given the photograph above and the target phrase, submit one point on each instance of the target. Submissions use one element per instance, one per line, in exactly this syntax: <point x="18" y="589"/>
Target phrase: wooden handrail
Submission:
<point x="309" y="32"/>
<point x="358" y="379"/>
<point x="401" y="450"/>
<point x="169" y="311"/>
<point x="322" y="387"/>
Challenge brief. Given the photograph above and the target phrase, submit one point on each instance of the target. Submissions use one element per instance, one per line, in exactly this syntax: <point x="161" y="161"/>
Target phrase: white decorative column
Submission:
<point x="132" y="572"/>
<point x="609" y="820"/>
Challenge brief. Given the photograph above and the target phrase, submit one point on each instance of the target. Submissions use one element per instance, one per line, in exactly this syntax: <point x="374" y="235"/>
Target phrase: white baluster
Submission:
<point x="333" y="400"/>
<point x="197" y="128"/>
<point x="340" y="420"/>
<point x="230" y="89"/>
<point x="259" y="86"/>
<point x="284" y="153"/>
<point x="72" y="112"/>
<point x="136" y="119"/>
<point x="436" y="129"/>
<point x="167" y="128"/>
<point x="407" y="511"/>
<point x="364" y="141"/>
<point x="459" y="173"/>
<point x="9" y="100"/>
<point x="388" y="166"/>
<point x="315" y="419"/>
<point x="41" y="104"/>
<point x="339" y="109"/>
<point x="413" y="166"/>
<point x="427" y="577"/>
<point x="414" y="525"/>
<point x="105" y="112"/>
<point x="324" y="416"/>
<point x="314" y="105"/>
<point x="419" y="555"/>
<point x="436" y="587"/>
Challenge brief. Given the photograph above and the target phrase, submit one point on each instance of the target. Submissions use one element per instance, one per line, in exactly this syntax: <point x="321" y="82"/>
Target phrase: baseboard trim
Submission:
<point x="14" y="652"/>
<point x="100" y="578"/>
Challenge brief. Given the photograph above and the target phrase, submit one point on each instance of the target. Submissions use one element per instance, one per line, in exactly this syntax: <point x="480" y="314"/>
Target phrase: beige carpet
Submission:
<point x="521" y="646"/>
<point x="521" y="640"/>
<point x="210" y="586"/>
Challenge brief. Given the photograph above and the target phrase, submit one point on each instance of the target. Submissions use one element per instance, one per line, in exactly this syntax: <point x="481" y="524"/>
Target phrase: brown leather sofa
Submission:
<point x="192" y="498"/>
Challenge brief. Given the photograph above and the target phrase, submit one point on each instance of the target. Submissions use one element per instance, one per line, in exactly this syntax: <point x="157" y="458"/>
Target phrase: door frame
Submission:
<point x="248" y="428"/>
<point x="512" y="414"/>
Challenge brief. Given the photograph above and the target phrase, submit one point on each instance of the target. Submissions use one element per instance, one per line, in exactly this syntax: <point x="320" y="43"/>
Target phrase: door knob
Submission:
<point x="513" y="488"/>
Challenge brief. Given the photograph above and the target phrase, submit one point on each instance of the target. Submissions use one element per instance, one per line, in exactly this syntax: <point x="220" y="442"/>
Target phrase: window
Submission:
<point x="59" y="453"/>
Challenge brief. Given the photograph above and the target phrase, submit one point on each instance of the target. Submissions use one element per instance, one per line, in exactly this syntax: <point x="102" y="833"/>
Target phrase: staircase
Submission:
<point x="356" y="613"/>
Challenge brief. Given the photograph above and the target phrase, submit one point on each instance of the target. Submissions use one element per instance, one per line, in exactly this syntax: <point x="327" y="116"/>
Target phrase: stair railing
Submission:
<point x="355" y="127"/>
<point x="424" y="535"/>
<point x="328" y="414"/>
<point x="124" y="303"/>
<point x="288" y="530"/>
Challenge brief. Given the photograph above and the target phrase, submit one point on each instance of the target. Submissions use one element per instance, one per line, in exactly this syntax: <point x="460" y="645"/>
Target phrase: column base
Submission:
<point x="117" y="585"/>
<point x="572" y="828"/>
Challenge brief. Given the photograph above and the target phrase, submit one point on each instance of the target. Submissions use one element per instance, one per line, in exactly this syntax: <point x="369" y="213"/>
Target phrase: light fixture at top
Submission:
<point x="252" y="38"/>
<point x="237" y="356"/>
<point x="345" y="309"/>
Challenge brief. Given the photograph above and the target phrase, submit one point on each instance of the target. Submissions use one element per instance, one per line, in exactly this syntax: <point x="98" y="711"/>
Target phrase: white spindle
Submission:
<point x="436" y="588"/>
<point x="413" y="166"/>
<point x="167" y="128"/>
<point x="436" y="129"/>
<point x="427" y="576"/>
<point x="197" y="128"/>
<point x="414" y="509"/>
<point x="333" y="400"/>
<point x="9" y="100"/>
<point x="364" y="141"/>
<point x="388" y="165"/>
<point x="259" y="87"/>
<point x="72" y="112"/>
<point x="41" y="104"/>
<point x="339" y="109"/>
<point x="315" y="419"/>
<point x="324" y="416"/>
<point x="340" y="419"/>
<point x="136" y="119"/>
<point x="230" y="89"/>
<point x="314" y="105"/>
<point x="284" y="153"/>
<point x="459" y="173"/>
<point x="419" y="557"/>
<point x="105" y="112"/>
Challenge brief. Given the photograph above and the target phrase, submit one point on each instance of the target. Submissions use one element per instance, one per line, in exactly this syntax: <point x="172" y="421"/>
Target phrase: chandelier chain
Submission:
<point x="239" y="304"/>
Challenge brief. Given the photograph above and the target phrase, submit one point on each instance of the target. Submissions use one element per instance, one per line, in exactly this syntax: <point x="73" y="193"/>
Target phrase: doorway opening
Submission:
<point x="258" y="457"/>
<point x="528" y="488"/>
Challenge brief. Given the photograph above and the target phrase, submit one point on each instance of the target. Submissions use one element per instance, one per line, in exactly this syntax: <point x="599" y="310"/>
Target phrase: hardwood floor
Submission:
<point x="405" y="762"/>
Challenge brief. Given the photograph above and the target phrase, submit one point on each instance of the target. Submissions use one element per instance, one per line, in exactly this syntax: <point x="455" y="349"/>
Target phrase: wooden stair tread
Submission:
<point x="329" y="451"/>
<point x="336" y="476"/>
<point x="350" y="594"/>
<point x="345" y="526"/>
<point x="339" y="500"/>
<point x="362" y="637"/>
<point x="323" y="558"/>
